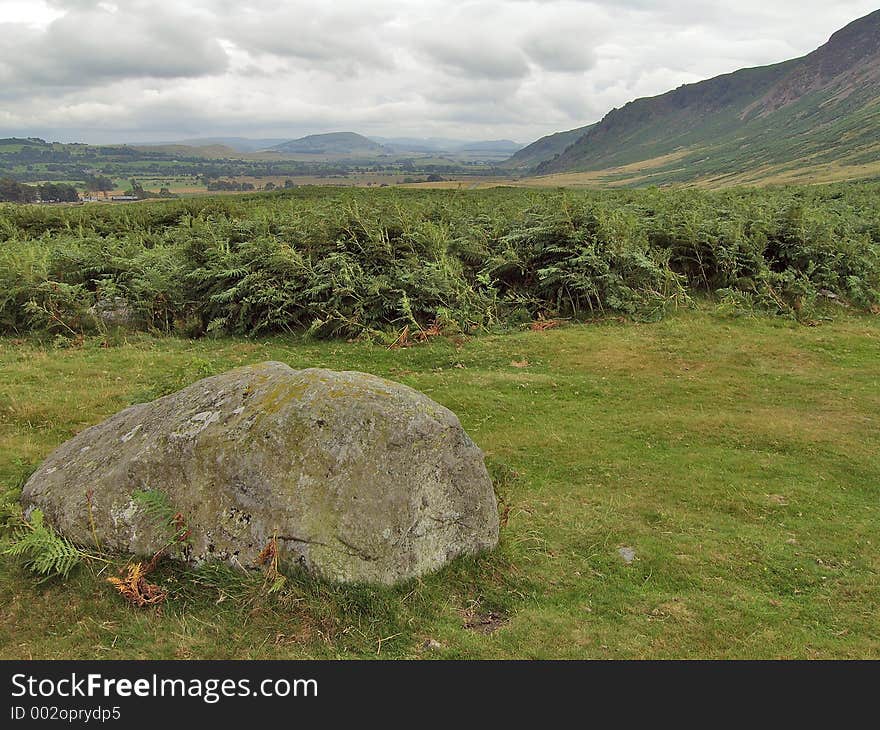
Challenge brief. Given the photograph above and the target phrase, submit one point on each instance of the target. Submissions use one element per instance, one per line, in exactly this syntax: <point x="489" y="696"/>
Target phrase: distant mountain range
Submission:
<point x="811" y="118"/>
<point x="351" y="144"/>
<point x="357" y="145"/>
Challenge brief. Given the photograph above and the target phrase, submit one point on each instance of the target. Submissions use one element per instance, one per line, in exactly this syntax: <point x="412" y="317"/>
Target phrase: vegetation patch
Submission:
<point x="401" y="266"/>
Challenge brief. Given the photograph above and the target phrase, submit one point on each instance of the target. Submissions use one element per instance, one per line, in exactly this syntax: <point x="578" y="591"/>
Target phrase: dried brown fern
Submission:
<point x="135" y="587"/>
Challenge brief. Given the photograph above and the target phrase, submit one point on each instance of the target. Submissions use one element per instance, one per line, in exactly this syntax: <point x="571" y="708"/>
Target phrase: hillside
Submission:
<point x="208" y="152"/>
<point x="239" y="144"/>
<point x="493" y="151"/>
<point x="333" y="143"/>
<point x="544" y="149"/>
<point x="809" y="118"/>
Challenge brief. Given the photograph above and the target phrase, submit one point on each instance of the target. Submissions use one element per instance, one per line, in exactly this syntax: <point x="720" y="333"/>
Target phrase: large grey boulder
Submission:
<point x="357" y="478"/>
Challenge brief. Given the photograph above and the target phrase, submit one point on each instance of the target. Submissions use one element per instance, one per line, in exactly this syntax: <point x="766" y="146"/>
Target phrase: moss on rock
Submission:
<point x="356" y="477"/>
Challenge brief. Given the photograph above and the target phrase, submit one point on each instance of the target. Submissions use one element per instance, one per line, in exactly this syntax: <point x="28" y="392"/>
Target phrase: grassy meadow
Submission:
<point x="677" y="392"/>
<point x="735" y="455"/>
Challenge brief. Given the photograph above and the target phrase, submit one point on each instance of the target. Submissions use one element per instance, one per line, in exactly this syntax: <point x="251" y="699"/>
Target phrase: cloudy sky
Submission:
<point x="141" y="70"/>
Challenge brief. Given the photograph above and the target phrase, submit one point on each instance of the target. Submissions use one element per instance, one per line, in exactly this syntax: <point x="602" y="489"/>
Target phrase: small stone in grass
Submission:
<point x="628" y="554"/>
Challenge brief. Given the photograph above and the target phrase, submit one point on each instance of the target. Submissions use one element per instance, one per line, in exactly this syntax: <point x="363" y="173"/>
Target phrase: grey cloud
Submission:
<point x="571" y="53"/>
<point x="480" y="64"/>
<point x="475" y="41"/>
<point x="89" y="45"/>
<point x="320" y="34"/>
<point x="471" y="92"/>
<point x="493" y="68"/>
<point x="72" y="4"/>
<point x="475" y="58"/>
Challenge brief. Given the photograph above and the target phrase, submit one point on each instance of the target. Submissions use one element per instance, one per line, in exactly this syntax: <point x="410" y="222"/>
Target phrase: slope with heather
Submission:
<point x="789" y="120"/>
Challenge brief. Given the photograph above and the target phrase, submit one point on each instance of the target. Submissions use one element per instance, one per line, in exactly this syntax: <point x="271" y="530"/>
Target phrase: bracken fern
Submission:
<point x="44" y="551"/>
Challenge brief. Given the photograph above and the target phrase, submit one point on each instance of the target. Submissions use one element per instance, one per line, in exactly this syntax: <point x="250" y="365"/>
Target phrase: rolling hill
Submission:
<point x="206" y="151"/>
<point x="332" y="143"/>
<point x="807" y="119"/>
<point x="238" y="144"/>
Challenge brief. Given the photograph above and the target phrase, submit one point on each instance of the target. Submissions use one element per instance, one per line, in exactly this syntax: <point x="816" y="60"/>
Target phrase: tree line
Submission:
<point x="15" y="192"/>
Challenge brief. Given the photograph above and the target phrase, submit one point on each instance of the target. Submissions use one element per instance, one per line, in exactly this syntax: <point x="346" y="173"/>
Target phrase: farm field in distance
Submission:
<point x="97" y="171"/>
<point x="686" y="378"/>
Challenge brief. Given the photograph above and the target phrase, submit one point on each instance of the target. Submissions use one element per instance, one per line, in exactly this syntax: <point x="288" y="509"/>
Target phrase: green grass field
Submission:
<point x="737" y="457"/>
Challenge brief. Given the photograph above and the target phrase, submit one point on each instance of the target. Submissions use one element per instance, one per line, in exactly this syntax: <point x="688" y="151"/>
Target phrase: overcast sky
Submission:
<point x="142" y="70"/>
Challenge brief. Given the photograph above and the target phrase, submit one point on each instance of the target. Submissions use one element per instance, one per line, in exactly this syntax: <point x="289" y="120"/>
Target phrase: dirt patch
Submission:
<point x="676" y="609"/>
<point x="484" y="622"/>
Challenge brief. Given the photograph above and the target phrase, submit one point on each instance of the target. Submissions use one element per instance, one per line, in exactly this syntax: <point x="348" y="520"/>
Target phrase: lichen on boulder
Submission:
<point x="354" y="477"/>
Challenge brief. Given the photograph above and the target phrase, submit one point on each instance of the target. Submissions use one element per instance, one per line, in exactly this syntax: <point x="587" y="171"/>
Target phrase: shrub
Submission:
<point x="354" y="262"/>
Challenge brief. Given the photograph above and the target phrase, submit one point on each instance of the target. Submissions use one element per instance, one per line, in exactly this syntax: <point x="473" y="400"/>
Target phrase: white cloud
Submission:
<point x="93" y="43"/>
<point x="107" y="70"/>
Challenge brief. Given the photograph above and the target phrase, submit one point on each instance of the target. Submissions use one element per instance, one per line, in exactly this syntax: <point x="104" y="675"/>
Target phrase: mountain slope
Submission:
<point x="780" y="120"/>
<point x="544" y="149"/>
<point x="333" y="143"/>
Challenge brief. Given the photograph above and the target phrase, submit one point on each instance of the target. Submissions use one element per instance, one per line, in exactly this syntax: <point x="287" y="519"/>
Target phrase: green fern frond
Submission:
<point x="155" y="504"/>
<point x="45" y="551"/>
<point x="158" y="508"/>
